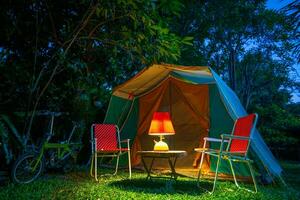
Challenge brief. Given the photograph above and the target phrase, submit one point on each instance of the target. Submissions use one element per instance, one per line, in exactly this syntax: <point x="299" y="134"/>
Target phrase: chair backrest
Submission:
<point x="243" y="126"/>
<point x="106" y="137"/>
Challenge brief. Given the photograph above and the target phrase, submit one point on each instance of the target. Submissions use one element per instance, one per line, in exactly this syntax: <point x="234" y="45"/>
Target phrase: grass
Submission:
<point x="80" y="186"/>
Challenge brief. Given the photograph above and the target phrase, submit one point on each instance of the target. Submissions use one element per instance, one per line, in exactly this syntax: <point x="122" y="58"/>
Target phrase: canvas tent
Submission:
<point x="200" y="103"/>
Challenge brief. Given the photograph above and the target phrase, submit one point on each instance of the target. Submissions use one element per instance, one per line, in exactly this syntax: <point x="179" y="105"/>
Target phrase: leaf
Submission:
<point x="187" y="41"/>
<point x="4" y="142"/>
<point x="13" y="129"/>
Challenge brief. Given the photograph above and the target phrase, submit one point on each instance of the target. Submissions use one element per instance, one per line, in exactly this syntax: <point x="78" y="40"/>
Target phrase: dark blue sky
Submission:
<point x="277" y="4"/>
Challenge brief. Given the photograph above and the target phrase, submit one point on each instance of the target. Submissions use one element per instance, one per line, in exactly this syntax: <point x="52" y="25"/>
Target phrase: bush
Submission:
<point x="280" y="129"/>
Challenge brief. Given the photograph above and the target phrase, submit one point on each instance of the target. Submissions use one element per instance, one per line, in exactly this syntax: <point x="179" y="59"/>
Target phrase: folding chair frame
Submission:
<point x="227" y="155"/>
<point x="117" y="153"/>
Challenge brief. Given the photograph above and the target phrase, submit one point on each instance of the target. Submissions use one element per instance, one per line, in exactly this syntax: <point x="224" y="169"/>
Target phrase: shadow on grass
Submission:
<point x="163" y="186"/>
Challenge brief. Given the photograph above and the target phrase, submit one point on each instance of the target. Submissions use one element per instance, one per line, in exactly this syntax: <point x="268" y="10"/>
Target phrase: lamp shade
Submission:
<point x="161" y="124"/>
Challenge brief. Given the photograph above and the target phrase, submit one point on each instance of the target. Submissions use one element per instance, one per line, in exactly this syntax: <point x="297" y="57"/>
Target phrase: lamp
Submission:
<point x="161" y="125"/>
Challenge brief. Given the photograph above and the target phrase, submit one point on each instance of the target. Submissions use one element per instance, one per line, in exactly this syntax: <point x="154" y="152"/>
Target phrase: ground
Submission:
<point x="79" y="185"/>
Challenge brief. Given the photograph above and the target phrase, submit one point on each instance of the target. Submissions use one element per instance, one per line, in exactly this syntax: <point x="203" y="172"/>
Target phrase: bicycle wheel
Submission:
<point x="23" y="172"/>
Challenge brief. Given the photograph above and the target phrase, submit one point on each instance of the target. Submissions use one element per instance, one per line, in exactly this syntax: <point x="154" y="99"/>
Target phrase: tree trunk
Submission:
<point x="248" y="101"/>
<point x="231" y="69"/>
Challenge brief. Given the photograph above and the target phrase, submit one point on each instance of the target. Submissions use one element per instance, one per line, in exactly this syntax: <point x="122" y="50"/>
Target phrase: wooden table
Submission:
<point x="170" y="155"/>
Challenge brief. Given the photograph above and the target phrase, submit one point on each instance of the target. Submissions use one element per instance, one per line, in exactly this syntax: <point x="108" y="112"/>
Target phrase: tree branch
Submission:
<point x="54" y="31"/>
<point x="85" y="21"/>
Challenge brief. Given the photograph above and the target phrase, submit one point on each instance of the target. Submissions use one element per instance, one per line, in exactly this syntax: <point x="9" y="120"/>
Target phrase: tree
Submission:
<point x="60" y="56"/>
<point x="263" y="80"/>
<point x="233" y="26"/>
<point x="293" y="10"/>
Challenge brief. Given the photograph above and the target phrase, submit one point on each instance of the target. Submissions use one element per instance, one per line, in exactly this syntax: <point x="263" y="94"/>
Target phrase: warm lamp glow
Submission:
<point x="161" y="124"/>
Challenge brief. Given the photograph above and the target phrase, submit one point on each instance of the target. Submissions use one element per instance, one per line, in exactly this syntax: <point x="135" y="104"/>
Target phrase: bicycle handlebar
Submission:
<point x="48" y="135"/>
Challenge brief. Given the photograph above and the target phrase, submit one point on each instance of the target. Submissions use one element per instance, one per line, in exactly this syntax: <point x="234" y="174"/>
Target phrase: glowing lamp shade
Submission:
<point x="161" y="125"/>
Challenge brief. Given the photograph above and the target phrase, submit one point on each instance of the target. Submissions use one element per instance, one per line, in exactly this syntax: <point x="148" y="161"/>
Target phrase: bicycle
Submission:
<point x="29" y="166"/>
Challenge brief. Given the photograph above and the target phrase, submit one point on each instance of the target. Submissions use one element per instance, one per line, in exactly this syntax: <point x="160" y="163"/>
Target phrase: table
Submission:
<point x="170" y="155"/>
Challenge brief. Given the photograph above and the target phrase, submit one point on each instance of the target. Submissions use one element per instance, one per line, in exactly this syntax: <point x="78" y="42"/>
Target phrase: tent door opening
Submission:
<point x="188" y="105"/>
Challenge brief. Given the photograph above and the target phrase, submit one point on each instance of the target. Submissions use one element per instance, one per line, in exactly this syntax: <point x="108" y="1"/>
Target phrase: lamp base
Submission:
<point x="161" y="146"/>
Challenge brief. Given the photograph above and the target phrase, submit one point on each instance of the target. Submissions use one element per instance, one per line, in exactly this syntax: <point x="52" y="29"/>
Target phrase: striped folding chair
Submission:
<point x="238" y="143"/>
<point x="106" y="143"/>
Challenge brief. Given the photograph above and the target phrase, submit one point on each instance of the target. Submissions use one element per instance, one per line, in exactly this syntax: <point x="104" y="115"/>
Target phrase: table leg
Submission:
<point x="150" y="168"/>
<point x="172" y="166"/>
<point x="146" y="168"/>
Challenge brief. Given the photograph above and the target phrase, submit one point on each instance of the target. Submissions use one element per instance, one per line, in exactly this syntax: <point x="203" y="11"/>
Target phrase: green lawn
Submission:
<point x="80" y="186"/>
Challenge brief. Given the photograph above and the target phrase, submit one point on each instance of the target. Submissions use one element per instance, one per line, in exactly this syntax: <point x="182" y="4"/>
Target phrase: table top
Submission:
<point x="162" y="153"/>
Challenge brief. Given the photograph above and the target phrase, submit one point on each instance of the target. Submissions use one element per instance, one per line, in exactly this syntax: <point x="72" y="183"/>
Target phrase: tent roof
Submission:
<point x="153" y="76"/>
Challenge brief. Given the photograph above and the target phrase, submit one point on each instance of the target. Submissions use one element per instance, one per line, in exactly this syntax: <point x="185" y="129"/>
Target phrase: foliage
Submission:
<point x="251" y="47"/>
<point x="9" y="137"/>
<point x="263" y="80"/>
<point x="226" y="32"/>
<point x="4" y="143"/>
<point x="281" y="130"/>
<point x="12" y="129"/>
<point x="117" y="37"/>
<point x="68" y="57"/>
<point x="293" y="10"/>
<point x="80" y="186"/>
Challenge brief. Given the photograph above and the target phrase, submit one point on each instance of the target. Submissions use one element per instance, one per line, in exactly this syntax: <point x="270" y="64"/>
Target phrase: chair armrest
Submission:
<point x="213" y="139"/>
<point x="221" y="141"/>
<point x="125" y="140"/>
<point x="234" y="137"/>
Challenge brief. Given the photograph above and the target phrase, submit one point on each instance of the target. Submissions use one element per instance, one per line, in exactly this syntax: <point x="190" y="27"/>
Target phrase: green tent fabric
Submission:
<point x="210" y="108"/>
<point x="237" y="110"/>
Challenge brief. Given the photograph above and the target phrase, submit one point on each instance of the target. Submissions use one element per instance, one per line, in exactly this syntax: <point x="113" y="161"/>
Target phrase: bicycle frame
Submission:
<point x="63" y="150"/>
<point x="59" y="155"/>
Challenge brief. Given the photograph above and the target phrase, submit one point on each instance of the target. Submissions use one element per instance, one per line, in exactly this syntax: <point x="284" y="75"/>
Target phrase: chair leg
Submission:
<point x="233" y="173"/>
<point x="117" y="165"/>
<point x="252" y="175"/>
<point x="216" y="173"/>
<point x="129" y="164"/>
<point x="96" y="178"/>
<point x="200" y="168"/>
<point x="253" y="178"/>
<point x="92" y="165"/>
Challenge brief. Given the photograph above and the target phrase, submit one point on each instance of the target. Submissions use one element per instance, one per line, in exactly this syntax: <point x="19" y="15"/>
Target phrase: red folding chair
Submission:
<point x="238" y="143"/>
<point x="106" y="143"/>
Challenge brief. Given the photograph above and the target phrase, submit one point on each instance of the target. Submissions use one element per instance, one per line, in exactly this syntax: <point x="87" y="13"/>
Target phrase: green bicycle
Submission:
<point x="30" y="165"/>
